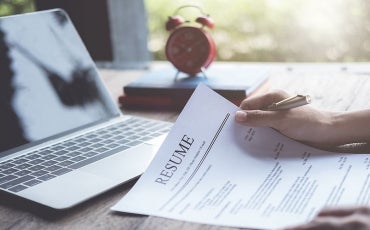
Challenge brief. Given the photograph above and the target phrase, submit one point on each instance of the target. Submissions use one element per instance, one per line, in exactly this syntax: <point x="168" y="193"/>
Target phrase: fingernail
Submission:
<point x="241" y="115"/>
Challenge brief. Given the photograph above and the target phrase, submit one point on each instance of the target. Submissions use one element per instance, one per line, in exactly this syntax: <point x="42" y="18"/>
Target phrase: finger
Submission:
<point x="344" y="211"/>
<point x="262" y="101"/>
<point x="258" y="117"/>
<point x="350" y="218"/>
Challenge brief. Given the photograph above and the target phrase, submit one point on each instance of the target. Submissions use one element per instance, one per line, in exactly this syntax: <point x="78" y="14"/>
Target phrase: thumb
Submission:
<point x="256" y="118"/>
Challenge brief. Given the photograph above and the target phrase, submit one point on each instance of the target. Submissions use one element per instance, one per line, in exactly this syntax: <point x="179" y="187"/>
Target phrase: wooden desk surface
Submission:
<point x="332" y="86"/>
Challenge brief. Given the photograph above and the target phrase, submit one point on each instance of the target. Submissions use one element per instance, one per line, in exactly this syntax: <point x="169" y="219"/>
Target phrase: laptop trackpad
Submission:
<point x="125" y="165"/>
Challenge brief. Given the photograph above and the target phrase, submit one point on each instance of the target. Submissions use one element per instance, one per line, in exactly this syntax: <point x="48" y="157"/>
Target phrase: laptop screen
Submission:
<point x="48" y="81"/>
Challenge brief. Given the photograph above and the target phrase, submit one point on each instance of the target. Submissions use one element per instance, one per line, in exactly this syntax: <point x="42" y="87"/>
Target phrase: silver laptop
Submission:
<point x="63" y="139"/>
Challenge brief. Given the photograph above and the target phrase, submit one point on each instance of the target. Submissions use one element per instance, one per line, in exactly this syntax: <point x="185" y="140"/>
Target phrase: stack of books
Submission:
<point x="167" y="89"/>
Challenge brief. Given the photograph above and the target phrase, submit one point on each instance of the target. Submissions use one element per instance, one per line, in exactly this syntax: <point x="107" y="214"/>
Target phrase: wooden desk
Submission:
<point x="332" y="86"/>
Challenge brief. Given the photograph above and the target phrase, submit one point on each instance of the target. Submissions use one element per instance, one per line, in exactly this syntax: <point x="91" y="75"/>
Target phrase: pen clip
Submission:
<point x="290" y="102"/>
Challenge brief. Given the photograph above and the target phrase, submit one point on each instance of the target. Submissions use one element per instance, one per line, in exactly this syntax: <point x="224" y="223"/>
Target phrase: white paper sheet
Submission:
<point x="212" y="170"/>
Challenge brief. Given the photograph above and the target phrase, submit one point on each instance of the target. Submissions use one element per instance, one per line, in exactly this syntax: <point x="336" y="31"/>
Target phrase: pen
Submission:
<point x="289" y="103"/>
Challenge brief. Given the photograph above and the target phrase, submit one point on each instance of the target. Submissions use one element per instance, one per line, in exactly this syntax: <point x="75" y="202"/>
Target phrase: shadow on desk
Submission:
<point x="15" y="203"/>
<point x="19" y="203"/>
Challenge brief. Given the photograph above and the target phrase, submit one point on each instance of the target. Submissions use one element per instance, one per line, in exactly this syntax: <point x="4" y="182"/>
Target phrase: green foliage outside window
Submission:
<point x="275" y="30"/>
<point x="263" y="30"/>
<point x="10" y="7"/>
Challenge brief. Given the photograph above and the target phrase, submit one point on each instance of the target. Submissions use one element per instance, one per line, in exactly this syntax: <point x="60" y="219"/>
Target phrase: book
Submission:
<point x="171" y="103"/>
<point x="232" y="81"/>
<point x="158" y="102"/>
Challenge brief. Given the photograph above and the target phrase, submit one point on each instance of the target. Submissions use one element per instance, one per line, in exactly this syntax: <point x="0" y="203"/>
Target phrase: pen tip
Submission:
<point x="308" y="99"/>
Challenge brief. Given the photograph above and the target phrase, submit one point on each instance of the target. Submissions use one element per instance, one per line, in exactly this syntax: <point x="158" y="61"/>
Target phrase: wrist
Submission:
<point x="332" y="125"/>
<point x="344" y="128"/>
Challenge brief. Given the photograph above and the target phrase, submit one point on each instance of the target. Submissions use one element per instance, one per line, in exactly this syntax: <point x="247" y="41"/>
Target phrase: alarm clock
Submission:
<point x="189" y="48"/>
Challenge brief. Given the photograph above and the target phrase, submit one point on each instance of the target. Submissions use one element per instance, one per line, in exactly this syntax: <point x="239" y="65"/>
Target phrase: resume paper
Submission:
<point x="213" y="170"/>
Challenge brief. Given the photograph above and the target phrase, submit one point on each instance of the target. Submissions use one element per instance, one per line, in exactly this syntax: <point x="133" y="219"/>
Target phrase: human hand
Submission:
<point x="351" y="218"/>
<point x="304" y="123"/>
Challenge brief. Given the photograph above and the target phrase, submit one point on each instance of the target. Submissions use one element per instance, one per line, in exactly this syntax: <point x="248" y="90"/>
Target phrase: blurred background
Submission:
<point x="246" y="30"/>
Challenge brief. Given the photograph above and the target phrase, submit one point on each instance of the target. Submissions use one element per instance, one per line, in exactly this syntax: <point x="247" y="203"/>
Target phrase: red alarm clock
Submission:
<point x="190" y="49"/>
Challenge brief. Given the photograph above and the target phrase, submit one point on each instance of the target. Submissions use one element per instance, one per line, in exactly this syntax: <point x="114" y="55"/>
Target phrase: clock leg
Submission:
<point x="177" y="75"/>
<point x="203" y="71"/>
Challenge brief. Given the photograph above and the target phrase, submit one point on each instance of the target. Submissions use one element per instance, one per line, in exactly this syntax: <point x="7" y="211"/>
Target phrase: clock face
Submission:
<point x="190" y="49"/>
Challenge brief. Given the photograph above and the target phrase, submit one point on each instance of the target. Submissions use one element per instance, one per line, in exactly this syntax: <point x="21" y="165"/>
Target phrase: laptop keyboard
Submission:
<point x="38" y="166"/>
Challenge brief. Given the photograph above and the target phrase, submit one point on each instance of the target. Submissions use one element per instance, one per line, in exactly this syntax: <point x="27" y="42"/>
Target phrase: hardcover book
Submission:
<point x="166" y="87"/>
<point x="158" y="102"/>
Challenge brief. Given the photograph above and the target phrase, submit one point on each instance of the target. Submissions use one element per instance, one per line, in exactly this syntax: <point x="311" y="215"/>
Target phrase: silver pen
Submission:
<point x="289" y="103"/>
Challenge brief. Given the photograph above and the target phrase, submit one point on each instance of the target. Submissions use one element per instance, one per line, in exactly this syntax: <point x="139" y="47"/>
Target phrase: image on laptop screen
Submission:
<point x="46" y="79"/>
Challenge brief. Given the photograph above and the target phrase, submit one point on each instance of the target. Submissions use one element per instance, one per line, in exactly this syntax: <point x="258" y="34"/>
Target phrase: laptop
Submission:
<point x="63" y="138"/>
